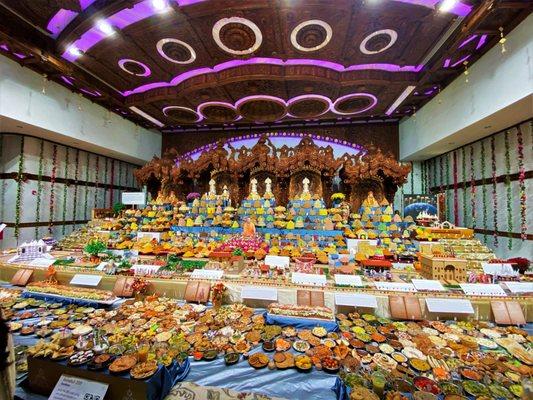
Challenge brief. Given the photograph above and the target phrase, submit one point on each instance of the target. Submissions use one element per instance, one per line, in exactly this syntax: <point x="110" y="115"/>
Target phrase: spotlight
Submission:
<point x="105" y="27"/>
<point x="447" y="5"/>
<point x="74" y="51"/>
<point x="160" y="5"/>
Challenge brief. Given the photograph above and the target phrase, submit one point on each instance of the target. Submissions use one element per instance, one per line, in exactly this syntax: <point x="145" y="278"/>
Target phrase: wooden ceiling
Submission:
<point x="182" y="64"/>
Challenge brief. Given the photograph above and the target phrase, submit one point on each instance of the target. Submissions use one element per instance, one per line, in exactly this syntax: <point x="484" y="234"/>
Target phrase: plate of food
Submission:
<point x="301" y="346"/>
<point x="231" y="358"/>
<point x="144" y="370"/>
<point x="123" y="364"/>
<point x="303" y="363"/>
<point x="80" y="358"/>
<point x="319" y="331"/>
<point x="100" y="362"/>
<point x="258" y="360"/>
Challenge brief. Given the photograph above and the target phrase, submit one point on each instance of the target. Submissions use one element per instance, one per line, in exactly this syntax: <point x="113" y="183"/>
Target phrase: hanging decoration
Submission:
<point x="455" y="190"/>
<point x="111" y="194"/>
<point x="441" y="177"/>
<point x="522" y="184"/>
<point x="120" y="180"/>
<point x="502" y="40"/>
<point x="52" y="187"/>
<point x="412" y="179"/>
<point x="65" y="193"/>
<point x="85" y="202"/>
<point x="434" y="168"/>
<point x="509" y="191"/>
<point x="465" y="63"/>
<point x="75" y="201"/>
<point x="472" y="188"/>
<point x="448" y="198"/>
<point x="463" y="179"/>
<point x="105" y="181"/>
<point x="494" y="195"/>
<point x="96" y="182"/>
<point x="20" y="180"/>
<point x="483" y="189"/>
<point x="39" y="189"/>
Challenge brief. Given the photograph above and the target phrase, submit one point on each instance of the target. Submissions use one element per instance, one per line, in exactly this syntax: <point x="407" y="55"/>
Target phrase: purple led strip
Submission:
<point x="68" y="80"/>
<point x="94" y="93"/>
<point x="271" y="61"/>
<point x="327" y="139"/>
<point x="60" y="21"/>
<point x="144" y="9"/>
<point x="373" y="102"/>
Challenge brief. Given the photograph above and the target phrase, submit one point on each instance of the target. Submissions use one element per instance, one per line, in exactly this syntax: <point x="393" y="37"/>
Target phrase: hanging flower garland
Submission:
<point x="65" y="193"/>
<point x="494" y="195"/>
<point x="75" y="201"/>
<point x="20" y="179"/>
<point x="52" y="187"/>
<point x="85" y="201"/>
<point x="96" y="183"/>
<point x="522" y="184"/>
<point x="112" y="188"/>
<point x="441" y="173"/>
<point x="120" y="180"/>
<point x="412" y="179"/>
<point x="483" y="189"/>
<point x="105" y="182"/>
<point x="455" y="190"/>
<point x="463" y="180"/>
<point x="509" y="191"/>
<point x="39" y="189"/>
<point x="472" y="187"/>
<point x="448" y="198"/>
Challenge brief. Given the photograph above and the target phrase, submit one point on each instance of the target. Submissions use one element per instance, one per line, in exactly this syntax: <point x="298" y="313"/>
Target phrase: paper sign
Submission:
<point x="41" y="262"/>
<point x="277" y="261"/>
<point x="101" y="266"/>
<point x="449" y="306"/>
<point x="259" y="293"/>
<point x="499" y="269"/>
<point x="482" y="289"/>
<point x="299" y="278"/>
<point x="348" y="280"/>
<point x="214" y="274"/>
<point x="86" y="280"/>
<point x="134" y="198"/>
<point x="395" y="286"/>
<point x="519" y="287"/>
<point x="427" y="284"/>
<point x="356" y="300"/>
<point x="73" y="388"/>
<point x="145" y="269"/>
<point x="150" y="235"/>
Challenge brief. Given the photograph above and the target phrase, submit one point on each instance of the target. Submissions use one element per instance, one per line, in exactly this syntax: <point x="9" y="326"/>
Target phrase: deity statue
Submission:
<point x="268" y="189"/>
<point x="212" y="189"/>
<point x="370" y="200"/>
<point x="306" y="194"/>
<point x="253" y="190"/>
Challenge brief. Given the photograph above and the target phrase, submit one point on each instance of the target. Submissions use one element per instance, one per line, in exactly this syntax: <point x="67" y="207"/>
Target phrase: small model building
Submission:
<point x="444" y="269"/>
<point x="31" y="250"/>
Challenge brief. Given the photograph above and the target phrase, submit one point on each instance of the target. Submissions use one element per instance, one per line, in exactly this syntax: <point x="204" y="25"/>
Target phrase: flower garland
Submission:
<point x="508" y="189"/>
<point x="112" y="188"/>
<point x="494" y="195"/>
<point x="455" y="190"/>
<point x="483" y="189"/>
<point x="96" y="183"/>
<point x="87" y="169"/>
<point x="20" y="179"/>
<point x="120" y="180"/>
<point x="39" y="189"/>
<point x="65" y="193"/>
<point x="522" y="184"/>
<point x="448" y="198"/>
<point x="463" y="179"/>
<point x="52" y="187"/>
<point x="75" y="201"/>
<point x="441" y="172"/>
<point x="472" y="187"/>
<point x="434" y="172"/>
<point x="105" y="181"/>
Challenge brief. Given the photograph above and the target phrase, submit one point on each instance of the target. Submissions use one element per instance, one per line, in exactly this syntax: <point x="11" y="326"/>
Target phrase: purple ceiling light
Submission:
<point x="86" y="3"/>
<point x="122" y="64"/>
<point x="466" y="41"/>
<point x="4" y="47"/>
<point x="373" y="102"/>
<point x="59" y="21"/>
<point x="460" y="61"/>
<point x="94" y="93"/>
<point x="482" y="41"/>
<point x="68" y="80"/>
<point x="271" y="61"/>
<point x="460" y="9"/>
<point x="20" y="55"/>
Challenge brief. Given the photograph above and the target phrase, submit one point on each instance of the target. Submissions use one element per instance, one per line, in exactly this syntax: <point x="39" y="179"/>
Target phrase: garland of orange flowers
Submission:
<point x="483" y="189"/>
<point x="455" y="190"/>
<point x="20" y="181"/>
<point x="52" y="187"/>
<point x="96" y="183"/>
<point x="522" y="185"/>
<point x="76" y="172"/>
<point x="65" y="192"/>
<point x="472" y="187"/>
<point x="463" y="174"/>
<point x="448" y="198"/>
<point x="509" y="191"/>
<point x="494" y="194"/>
<point x="105" y="181"/>
<point x="87" y="169"/>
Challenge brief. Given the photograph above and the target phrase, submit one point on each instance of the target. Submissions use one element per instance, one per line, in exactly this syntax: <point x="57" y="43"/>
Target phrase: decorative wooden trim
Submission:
<point x="480" y="182"/>
<point x="512" y="235"/>
<point x="46" y="223"/>
<point x="68" y="182"/>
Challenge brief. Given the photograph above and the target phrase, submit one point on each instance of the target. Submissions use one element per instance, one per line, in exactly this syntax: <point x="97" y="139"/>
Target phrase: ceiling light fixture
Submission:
<point x="74" y="51"/>
<point x="160" y="5"/>
<point x="400" y="99"/>
<point x="447" y="5"/>
<point x="105" y="27"/>
<point x="147" y="116"/>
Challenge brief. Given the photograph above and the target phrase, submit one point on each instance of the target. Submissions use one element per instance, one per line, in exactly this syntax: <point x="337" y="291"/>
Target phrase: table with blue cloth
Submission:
<point x="300" y="323"/>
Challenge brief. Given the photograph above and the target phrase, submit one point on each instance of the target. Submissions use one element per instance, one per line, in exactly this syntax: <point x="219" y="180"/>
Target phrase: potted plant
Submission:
<point x="93" y="249"/>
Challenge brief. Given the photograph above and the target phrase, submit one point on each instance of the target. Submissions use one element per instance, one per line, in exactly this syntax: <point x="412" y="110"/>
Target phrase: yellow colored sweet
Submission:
<point x="290" y="225"/>
<point x="189" y="222"/>
<point x="323" y="212"/>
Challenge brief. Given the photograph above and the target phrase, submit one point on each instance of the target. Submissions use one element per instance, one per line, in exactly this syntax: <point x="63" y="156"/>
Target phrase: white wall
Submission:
<point x="498" y="95"/>
<point x="66" y="117"/>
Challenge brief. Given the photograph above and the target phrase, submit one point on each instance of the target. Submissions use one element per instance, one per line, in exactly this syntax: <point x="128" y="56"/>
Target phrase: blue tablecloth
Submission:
<point x="67" y="301"/>
<point x="300" y="323"/>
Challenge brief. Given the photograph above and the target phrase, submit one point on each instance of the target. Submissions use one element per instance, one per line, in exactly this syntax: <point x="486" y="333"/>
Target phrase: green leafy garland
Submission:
<point x="76" y="172"/>
<point x="494" y="193"/>
<point x="120" y="180"/>
<point x="412" y="178"/>
<point x="483" y="189"/>
<point x="20" y="179"/>
<point x="434" y="168"/>
<point x="86" y="187"/>
<point x="65" y="193"/>
<point x="96" y="183"/>
<point x="448" y="198"/>
<point x="508" y="189"/>
<point x="472" y="187"/>
<point x="52" y="187"/>
<point x="105" y="180"/>
<point x="463" y="175"/>
<point x="39" y="189"/>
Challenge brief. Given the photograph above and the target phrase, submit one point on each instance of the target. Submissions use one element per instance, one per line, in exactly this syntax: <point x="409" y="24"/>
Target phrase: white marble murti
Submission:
<point x="212" y="187"/>
<point x="306" y="183"/>
<point x="253" y="190"/>
<point x="225" y="192"/>
<point x="268" y="186"/>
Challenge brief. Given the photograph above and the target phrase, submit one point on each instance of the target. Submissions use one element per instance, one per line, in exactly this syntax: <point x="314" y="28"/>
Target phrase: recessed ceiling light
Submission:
<point x="73" y="50"/>
<point x="160" y="5"/>
<point x="105" y="27"/>
<point x="447" y="5"/>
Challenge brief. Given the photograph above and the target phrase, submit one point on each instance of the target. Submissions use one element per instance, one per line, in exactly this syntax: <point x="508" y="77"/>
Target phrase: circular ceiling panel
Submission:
<point x="308" y="106"/>
<point x="134" y="67"/>
<point x="176" y="51"/>
<point x="217" y="111"/>
<point x="261" y="108"/>
<point x="355" y="103"/>
<point x="182" y="115"/>
<point x="311" y="35"/>
<point x="378" y="42"/>
<point x="237" y="36"/>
